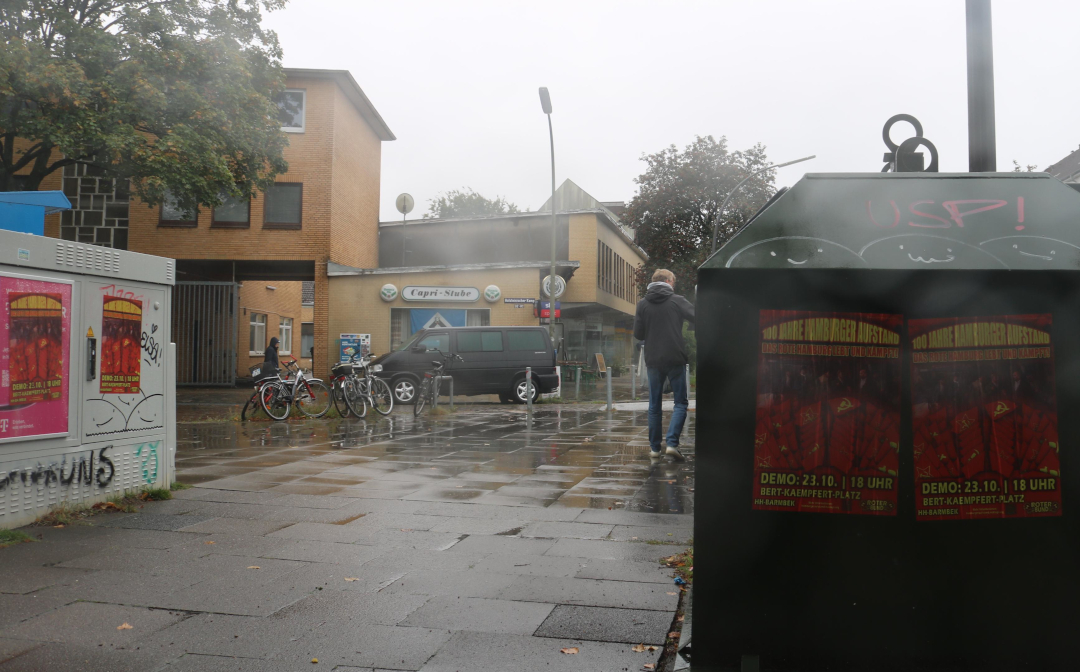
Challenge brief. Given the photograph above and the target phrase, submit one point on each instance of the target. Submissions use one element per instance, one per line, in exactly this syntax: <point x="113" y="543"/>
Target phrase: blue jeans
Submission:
<point x="677" y="376"/>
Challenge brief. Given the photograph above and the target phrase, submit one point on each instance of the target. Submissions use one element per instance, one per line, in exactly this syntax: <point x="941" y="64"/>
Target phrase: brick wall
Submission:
<point x="256" y="297"/>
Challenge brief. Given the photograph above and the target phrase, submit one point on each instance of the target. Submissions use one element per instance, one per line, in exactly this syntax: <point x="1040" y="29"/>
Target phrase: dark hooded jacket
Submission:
<point x="658" y="322"/>
<point x="271" y="353"/>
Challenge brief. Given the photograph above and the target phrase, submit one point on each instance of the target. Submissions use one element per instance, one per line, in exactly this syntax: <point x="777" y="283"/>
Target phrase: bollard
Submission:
<point x="609" y="389"/>
<point x="633" y="384"/>
<point x="577" y="383"/>
<point x="528" y="388"/>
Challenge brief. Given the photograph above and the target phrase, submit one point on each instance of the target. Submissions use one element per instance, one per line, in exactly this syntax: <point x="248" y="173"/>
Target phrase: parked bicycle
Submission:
<point x="341" y="373"/>
<point x="310" y="395"/>
<point x="366" y="389"/>
<point x="262" y="376"/>
<point x="429" y="387"/>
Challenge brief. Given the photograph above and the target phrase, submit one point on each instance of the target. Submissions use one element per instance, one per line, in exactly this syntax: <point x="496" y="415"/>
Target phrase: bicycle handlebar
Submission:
<point x="448" y="356"/>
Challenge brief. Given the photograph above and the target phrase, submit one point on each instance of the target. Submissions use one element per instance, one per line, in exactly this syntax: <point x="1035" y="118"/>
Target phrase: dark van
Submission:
<point x="494" y="361"/>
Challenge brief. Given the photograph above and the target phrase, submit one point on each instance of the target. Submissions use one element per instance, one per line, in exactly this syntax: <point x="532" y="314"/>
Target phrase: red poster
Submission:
<point x="36" y="341"/>
<point x="984" y="417"/>
<point x="828" y="412"/>
<point x="121" y="356"/>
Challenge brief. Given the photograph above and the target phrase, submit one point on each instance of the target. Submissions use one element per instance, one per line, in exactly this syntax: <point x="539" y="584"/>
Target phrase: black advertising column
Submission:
<point x="887" y="366"/>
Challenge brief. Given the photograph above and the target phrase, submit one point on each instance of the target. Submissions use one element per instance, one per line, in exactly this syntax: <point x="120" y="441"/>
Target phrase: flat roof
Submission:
<point x="353" y="92"/>
<point x="334" y="269"/>
<point x="604" y="214"/>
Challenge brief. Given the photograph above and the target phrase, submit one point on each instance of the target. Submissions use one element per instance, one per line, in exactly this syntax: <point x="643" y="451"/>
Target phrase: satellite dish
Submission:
<point x="404" y="203"/>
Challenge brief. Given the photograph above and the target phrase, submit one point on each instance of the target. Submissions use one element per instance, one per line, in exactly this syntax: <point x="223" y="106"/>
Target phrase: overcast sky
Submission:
<point x="457" y="83"/>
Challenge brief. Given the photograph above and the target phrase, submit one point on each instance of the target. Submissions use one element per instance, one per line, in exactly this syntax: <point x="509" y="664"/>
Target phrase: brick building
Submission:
<point x="494" y="267"/>
<point x="240" y="266"/>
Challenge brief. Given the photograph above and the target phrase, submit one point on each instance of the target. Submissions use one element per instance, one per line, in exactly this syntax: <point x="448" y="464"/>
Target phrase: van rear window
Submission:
<point x="526" y="340"/>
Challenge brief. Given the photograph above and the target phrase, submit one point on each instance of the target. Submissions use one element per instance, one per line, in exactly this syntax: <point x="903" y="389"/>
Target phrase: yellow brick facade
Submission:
<point x="257" y="297"/>
<point x="358" y="309"/>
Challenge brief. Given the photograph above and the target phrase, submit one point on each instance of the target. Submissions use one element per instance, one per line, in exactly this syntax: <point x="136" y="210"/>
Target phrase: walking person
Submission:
<point x="270" y="358"/>
<point x="659" y="321"/>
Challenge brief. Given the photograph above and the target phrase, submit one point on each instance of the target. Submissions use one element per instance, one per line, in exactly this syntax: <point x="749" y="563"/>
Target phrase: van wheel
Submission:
<point x="518" y="394"/>
<point x="404" y="391"/>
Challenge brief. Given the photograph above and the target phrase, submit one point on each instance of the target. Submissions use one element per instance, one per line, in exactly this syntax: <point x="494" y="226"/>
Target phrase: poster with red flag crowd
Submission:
<point x="828" y="412"/>
<point x="35" y="345"/>
<point x="984" y="415"/>
<point x="121" y="354"/>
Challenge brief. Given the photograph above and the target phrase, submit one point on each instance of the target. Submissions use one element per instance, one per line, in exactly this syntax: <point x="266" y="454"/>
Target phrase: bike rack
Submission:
<point x="435" y="403"/>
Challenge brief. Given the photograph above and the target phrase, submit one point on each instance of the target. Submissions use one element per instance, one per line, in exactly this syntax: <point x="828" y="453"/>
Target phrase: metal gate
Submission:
<point x="204" y="330"/>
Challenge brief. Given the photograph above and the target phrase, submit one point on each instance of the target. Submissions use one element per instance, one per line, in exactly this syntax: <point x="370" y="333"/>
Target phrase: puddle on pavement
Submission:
<point x="563" y="457"/>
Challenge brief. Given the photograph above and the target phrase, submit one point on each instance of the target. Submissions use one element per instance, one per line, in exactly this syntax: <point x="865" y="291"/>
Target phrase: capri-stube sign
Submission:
<point x="417" y="293"/>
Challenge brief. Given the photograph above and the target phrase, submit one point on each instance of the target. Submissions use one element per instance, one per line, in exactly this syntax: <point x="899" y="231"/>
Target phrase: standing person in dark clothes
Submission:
<point x="270" y="356"/>
<point x="658" y="322"/>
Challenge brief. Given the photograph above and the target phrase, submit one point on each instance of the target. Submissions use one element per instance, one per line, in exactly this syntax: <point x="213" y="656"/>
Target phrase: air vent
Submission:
<point x="91" y="258"/>
<point x="170" y="270"/>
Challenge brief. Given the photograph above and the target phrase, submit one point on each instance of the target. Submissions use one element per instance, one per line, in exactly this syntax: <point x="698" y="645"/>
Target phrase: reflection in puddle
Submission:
<point x="565" y="457"/>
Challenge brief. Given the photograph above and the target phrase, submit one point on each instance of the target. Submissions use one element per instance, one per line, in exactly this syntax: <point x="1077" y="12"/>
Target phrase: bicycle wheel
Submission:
<point x="382" y="399"/>
<point x="353" y="398"/>
<point x="313" y="398"/>
<point x="252" y="404"/>
<point x="339" y="398"/>
<point x="422" y="397"/>
<point x="275" y="400"/>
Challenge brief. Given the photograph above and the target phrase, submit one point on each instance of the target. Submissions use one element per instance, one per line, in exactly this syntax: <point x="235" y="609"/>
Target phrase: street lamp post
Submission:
<point x="545" y="103"/>
<point x="720" y="215"/>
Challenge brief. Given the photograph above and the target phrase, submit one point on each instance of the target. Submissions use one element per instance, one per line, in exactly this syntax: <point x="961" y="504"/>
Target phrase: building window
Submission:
<point x="282" y="206"/>
<point x="285" y="336"/>
<point x="291" y="108"/>
<point x="233" y="213"/>
<point x="257" y="334"/>
<point x="307" y="339"/>
<point x="399" y="327"/>
<point x="173" y="215"/>
<point x="478" y="317"/>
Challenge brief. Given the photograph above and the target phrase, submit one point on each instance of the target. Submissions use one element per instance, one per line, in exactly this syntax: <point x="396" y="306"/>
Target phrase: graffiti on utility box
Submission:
<point x="81" y="471"/>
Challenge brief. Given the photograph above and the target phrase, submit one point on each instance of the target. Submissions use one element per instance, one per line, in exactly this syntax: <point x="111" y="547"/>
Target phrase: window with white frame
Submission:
<point x="257" y="334"/>
<point x="285" y="336"/>
<point x="291" y="108"/>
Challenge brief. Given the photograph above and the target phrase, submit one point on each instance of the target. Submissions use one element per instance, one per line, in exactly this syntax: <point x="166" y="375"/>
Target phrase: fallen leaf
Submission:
<point x="209" y="543"/>
<point x="254" y="567"/>
<point x="570" y="650"/>
<point x="680" y="619"/>
<point x="60" y="526"/>
<point x="650" y="666"/>
<point x="351" y="578"/>
<point x="406" y="529"/>
<point x="673" y="635"/>
<point x="641" y="648"/>
<point x="125" y="626"/>
<point x="315" y="660"/>
<point x="672" y="593"/>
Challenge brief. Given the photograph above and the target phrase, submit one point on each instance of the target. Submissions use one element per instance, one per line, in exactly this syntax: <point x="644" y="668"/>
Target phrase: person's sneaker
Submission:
<point x="674" y="453"/>
<point x="655" y="455"/>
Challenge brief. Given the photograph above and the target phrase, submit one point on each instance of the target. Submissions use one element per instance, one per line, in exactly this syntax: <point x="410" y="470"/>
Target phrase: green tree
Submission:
<point x="678" y="202"/>
<point x="173" y="95"/>
<point x="467" y="203"/>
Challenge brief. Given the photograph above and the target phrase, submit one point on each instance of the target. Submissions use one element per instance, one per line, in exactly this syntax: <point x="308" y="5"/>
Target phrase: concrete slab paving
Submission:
<point x="480" y="615"/>
<point x="381" y="544"/>
<point x="494" y="652"/>
<point x="93" y="624"/>
<point x="589" y="592"/>
<point x="600" y="624"/>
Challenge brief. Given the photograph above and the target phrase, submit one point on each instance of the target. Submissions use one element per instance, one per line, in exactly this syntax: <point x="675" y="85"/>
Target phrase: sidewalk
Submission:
<point x="475" y="541"/>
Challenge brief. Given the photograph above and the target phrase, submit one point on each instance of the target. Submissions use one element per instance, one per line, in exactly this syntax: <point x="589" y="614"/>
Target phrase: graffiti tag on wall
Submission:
<point x="81" y="471"/>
